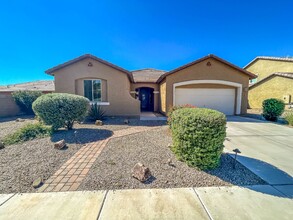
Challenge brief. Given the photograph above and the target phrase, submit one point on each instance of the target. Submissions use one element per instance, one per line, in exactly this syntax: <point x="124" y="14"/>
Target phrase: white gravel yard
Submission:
<point x="112" y="169"/>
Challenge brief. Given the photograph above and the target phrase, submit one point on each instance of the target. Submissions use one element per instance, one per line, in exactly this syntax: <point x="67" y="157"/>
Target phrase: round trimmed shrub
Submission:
<point x="198" y="136"/>
<point x="61" y="109"/>
<point x="272" y="109"/>
<point x="174" y="108"/>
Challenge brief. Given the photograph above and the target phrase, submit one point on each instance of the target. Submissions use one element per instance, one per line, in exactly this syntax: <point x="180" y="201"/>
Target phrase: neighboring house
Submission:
<point x="8" y="106"/>
<point x="209" y="82"/>
<point x="274" y="80"/>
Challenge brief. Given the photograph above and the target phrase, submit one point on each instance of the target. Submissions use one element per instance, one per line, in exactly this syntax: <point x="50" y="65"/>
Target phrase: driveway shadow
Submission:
<point x="270" y="179"/>
<point x="81" y="135"/>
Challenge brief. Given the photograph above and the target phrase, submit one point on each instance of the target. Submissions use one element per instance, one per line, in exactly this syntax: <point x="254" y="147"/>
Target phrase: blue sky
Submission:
<point x="165" y="34"/>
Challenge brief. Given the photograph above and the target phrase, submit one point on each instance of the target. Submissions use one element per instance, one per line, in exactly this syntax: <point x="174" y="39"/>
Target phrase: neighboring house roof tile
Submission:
<point x="42" y="85"/>
<point x="251" y="75"/>
<point x="147" y="75"/>
<point x="60" y="66"/>
<point x="286" y="59"/>
<point x="280" y="74"/>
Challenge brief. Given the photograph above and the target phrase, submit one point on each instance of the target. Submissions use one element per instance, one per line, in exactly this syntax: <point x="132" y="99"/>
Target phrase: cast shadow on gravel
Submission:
<point x="81" y="135"/>
<point x="133" y="121"/>
<point x="239" y="175"/>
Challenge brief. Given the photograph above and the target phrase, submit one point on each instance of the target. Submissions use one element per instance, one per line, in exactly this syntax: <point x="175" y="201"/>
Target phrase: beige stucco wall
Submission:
<point x="276" y="87"/>
<point x="163" y="97"/>
<point x="70" y="80"/>
<point x="200" y="71"/>
<point x="8" y="107"/>
<point x="148" y="85"/>
<point x="264" y="68"/>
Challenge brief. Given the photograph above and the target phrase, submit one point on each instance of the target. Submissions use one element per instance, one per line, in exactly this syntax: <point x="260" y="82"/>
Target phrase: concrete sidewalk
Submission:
<point x="253" y="202"/>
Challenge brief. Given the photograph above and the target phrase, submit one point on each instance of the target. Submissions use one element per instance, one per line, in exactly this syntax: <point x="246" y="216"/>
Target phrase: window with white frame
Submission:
<point x="93" y="90"/>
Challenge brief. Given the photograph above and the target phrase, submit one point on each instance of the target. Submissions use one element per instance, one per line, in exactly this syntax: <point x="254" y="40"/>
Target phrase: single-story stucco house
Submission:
<point x="8" y="107"/>
<point x="209" y="82"/>
<point x="274" y="80"/>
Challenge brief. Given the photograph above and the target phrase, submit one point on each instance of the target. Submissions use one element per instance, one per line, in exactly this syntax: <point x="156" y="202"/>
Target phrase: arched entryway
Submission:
<point x="146" y="97"/>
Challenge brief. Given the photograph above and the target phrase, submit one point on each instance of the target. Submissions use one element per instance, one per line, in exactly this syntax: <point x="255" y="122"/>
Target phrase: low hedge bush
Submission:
<point x="272" y="109"/>
<point x="28" y="132"/>
<point x="198" y="136"/>
<point x="289" y="118"/>
<point x="25" y="99"/>
<point x="61" y="109"/>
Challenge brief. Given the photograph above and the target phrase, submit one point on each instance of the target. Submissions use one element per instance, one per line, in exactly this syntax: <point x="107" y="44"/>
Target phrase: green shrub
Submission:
<point x="272" y="109"/>
<point x="28" y="132"/>
<point x="174" y="108"/>
<point x="25" y="99"/>
<point x="61" y="109"/>
<point x="96" y="112"/>
<point x="289" y="118"/>
<point x="198" y="135"/>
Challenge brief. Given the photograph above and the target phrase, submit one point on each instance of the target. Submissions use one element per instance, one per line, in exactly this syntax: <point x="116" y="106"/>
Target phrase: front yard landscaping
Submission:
<point x="21" y="164"/>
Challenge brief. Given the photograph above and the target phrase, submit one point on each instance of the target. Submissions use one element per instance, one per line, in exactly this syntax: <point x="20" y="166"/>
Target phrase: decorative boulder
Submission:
<point x="38" y="182"/>
<point x="20" y="120"/>
<point x="126" y="121"/>
<point x="1" y="145"/>
<point x="60" y="144"/>
<point x="141" y="172"/>
<point x="98" y="123"/>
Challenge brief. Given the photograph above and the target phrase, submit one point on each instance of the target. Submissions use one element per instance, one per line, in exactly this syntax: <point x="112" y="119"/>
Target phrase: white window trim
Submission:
<point x="100" y="103"/>
<point x="93" y="89"/>
<point x="222" y="82"/>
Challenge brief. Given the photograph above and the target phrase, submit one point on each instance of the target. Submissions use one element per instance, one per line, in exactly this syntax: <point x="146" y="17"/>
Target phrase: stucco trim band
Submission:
<point x="221" y="82"/>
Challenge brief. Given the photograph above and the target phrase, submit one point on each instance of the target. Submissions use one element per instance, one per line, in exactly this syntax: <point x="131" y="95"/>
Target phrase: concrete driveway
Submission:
<point x="267" y="150"/>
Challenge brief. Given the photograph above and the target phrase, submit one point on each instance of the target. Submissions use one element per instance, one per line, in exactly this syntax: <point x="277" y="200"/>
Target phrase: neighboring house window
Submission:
<point x="252" y="81"/>
<point x="93" y="90"/>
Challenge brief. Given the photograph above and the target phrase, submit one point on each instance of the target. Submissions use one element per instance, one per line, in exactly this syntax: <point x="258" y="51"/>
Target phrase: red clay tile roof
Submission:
<point x="280" y="74"/>
<point x="251" y="75"/>
<point x="286" y="59"/>
<point x="42" y="85"/>
<point x="147" y="75"/>
<point x="60" y="66"/>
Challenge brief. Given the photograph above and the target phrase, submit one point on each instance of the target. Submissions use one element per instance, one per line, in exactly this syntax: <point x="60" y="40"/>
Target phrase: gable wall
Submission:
<point x="200" y="71"/>
<point x="264" y="68"/>
<point x="116" y="91"/>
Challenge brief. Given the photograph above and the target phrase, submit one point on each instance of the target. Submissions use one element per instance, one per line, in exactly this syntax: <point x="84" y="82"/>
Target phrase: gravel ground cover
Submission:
<point x="112" y="169"/>
<point x="21" y="164"/>
<point x="9" y="125"/>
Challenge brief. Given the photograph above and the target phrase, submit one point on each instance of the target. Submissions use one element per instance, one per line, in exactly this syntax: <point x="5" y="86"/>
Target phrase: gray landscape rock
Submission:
<point x="60" y="144"/>
<point x="126" y="121"/>
<point x="38" y="182"/>
<point x="98" y="123"/>
<point x="1" y="145"/>
<point x="141" y="172"/>
<point x="20" y="120"/>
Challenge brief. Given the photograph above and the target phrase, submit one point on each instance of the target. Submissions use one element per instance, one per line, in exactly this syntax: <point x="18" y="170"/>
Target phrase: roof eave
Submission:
<point x="251" y="75"/>
<point x="52" y="70"/>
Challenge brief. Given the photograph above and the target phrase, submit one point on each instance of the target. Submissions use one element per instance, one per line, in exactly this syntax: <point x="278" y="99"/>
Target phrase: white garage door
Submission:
<point x="222" y="100"/>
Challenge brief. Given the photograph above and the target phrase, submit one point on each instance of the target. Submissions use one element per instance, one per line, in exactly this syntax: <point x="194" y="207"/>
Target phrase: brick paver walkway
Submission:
<point x="71" y="174"/>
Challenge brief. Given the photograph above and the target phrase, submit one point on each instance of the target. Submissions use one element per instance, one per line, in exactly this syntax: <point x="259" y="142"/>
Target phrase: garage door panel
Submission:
<point x="222" y="100"/>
